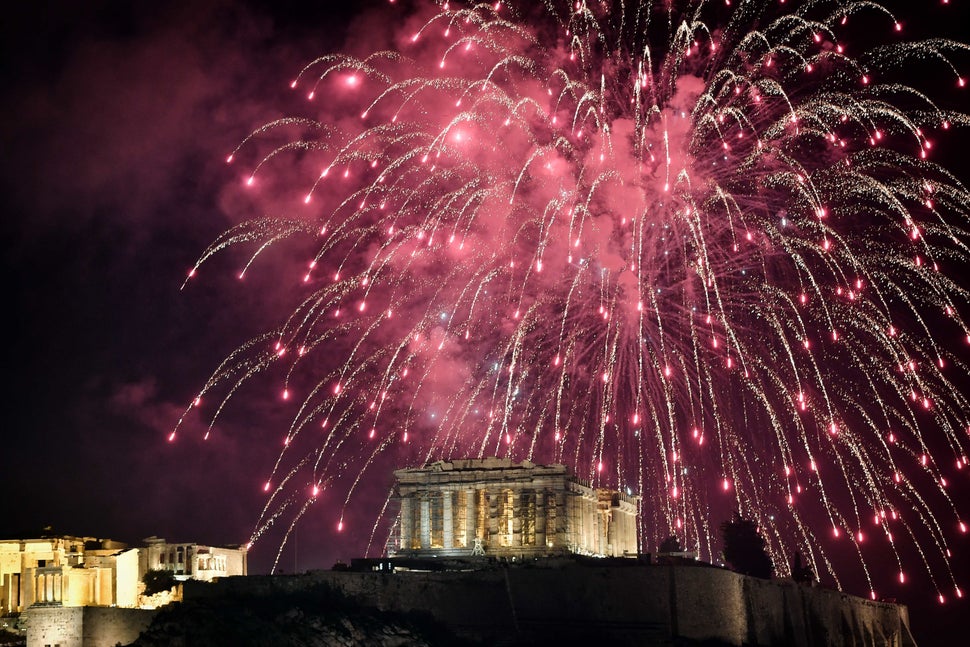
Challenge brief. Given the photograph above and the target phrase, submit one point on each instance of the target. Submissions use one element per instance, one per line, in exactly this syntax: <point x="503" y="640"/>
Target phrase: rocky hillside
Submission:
<point x="318" y="617"/>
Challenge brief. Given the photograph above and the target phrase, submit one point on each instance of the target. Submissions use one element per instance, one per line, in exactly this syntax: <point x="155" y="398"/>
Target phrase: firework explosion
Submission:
<point x="696" y="249"/>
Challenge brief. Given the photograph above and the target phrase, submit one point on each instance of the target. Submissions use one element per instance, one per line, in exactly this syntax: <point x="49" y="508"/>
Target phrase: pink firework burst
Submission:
<point x="693" y="249"/>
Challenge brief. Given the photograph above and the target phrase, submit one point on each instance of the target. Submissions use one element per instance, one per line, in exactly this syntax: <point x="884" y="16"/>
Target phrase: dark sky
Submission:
<point x="115" y="122"/>
<point x="115" y="125"/>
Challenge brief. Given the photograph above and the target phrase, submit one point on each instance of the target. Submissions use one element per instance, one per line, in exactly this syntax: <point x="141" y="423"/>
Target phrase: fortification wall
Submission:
<point x="85" y="626"/>
<point x="107" y="626"/>
<point x="636" y="603"/>
<point x="713" y="603"/>
<point x="54" y="625"/>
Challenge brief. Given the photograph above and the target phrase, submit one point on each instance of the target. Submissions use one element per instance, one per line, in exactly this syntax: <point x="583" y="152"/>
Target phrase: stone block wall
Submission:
<point x="54" y="626"/>
<point x="629" y="603"/>
<point x="84" y="626"/>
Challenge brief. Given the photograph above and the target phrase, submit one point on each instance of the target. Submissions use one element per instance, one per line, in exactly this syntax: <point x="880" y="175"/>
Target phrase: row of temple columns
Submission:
<point x="517" y="519"/>
<point x="496" y="506"/>
<point x="492" y="517"/>
<point x="418" y="508"/>
<point x="48" y="587"/>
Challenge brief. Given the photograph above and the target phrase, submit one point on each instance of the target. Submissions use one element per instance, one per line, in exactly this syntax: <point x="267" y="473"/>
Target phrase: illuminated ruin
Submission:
<point x="494" y="507"/>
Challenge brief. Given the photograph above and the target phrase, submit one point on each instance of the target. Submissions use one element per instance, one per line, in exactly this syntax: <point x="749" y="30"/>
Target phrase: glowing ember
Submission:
<point x="652" y="225"/>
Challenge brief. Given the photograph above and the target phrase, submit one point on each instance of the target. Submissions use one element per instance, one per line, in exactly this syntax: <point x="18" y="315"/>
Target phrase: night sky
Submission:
<point x="116" y="121"/>
<point x="115" y="127"/>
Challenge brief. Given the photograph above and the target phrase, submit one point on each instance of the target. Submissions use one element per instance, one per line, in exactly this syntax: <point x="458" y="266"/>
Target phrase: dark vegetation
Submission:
<point x="311" y="617"/>
<point x="157" y="580"/>
<point x="744" y="547"/>
<point x="801" y="572"/>
<point x="12" y="639"/>
<point x="670" y="545"/>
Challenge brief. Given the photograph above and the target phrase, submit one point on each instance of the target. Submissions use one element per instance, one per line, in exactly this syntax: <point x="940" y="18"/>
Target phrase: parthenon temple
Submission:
<point x="495" y="507"/>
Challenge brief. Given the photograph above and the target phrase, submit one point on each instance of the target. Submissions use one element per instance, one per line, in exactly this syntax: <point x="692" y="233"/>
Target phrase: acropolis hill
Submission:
<point x="581" y="600"/>
<point x="521" y="554"/>
<point x="491" y="552"/>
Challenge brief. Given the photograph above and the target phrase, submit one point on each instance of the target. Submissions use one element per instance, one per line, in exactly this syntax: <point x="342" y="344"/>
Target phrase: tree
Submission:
<point x="157" y="580"/>
<point x="744" y="547"/>
<point x="801" y="573"/>
<point x="670" y="545"/>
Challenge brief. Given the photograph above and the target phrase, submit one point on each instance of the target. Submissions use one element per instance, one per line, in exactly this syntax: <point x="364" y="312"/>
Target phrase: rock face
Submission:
<point x="545" y="602"/>
<point x="617" y="602"/>
<point x="315" y="616"/>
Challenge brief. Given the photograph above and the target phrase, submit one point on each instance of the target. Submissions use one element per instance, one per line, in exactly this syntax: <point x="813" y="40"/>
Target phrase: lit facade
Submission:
<point x="67" y="571"/>
<point x="498" y="508"/>
<point x="192" y="561"/>
<point x="83" y="571"/>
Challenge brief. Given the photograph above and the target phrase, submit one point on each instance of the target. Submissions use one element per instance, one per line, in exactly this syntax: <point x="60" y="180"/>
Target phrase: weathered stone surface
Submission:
<point x="84" y="626"/>
<point x="593" y="601"/>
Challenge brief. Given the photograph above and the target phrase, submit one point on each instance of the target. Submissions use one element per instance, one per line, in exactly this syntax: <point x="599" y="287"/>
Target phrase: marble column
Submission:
<point x="425" y="523"/>
<point x="540" y="520"/>
<point x="471" y="517"/>
<point x="407" y="522"/>
<point x="447" y="516"/>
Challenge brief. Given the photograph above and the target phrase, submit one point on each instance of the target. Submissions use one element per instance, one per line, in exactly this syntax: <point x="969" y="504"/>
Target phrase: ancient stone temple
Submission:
<point x="498" y="508"/>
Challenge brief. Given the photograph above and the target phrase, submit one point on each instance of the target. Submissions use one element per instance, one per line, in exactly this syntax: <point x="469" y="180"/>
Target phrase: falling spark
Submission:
<point x="705" y="233"/>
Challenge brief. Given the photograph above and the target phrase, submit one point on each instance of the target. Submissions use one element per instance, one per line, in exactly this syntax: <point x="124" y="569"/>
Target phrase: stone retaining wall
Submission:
<point x="84" y="626"/>
<point x="636" y="603"/>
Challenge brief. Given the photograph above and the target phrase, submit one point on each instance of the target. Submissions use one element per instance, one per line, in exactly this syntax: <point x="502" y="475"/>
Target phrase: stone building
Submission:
<point x="498" y="508"/>
<point x="192" y="561"/>
<point x="67" y="571"/>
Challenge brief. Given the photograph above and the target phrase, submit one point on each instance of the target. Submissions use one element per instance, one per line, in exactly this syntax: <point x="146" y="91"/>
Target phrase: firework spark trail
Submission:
<point x="697" y="250"/>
